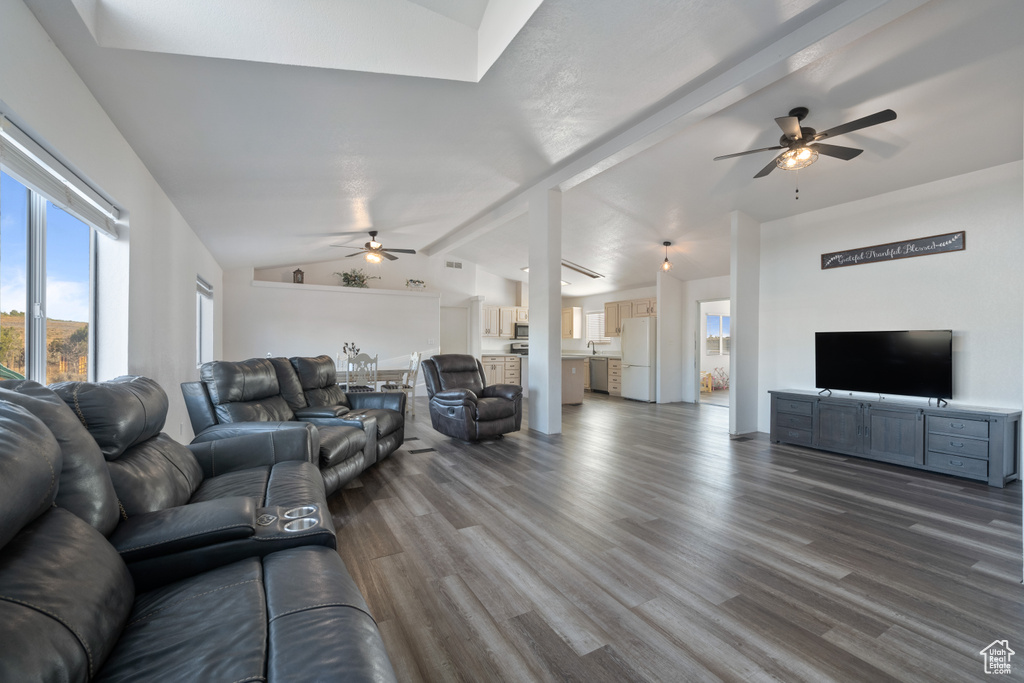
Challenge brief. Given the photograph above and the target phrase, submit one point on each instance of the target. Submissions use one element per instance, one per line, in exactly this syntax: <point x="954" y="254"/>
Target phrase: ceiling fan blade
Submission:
<point x="388" y="256"/>
<point x="749" y="151"/>
<point x="346" y="234"/>
<point x="790" y="125"/>
<point x="400" y="251"/>
<point x="844" y="153"/>
<point x="767" y="169"/>
<point x="344" y="246"/>
<point x="872" y="120"/>
<point x="355" y="254"/>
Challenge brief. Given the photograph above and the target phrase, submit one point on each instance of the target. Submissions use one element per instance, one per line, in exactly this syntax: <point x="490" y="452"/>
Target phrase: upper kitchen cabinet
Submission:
<point x="572" y="323"/>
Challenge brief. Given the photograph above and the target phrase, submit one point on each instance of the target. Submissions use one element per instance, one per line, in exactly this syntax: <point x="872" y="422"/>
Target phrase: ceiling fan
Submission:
<point x="374" y="250"/>
<point x="803" y="145"/>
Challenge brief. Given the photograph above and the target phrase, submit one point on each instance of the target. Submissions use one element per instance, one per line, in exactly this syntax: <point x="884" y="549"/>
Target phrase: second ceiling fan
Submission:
<point x="803" y="145"/>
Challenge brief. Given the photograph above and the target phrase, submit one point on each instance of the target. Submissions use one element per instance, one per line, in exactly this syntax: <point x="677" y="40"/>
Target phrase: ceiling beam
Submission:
<point x="808" y="43"/>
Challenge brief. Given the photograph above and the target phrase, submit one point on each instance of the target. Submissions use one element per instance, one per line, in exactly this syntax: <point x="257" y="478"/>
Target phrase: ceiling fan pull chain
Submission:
<point x="796" y="184"/>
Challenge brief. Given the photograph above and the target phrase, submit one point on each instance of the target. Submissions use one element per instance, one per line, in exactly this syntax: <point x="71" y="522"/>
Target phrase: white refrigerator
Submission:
<point x="639" y="379"/>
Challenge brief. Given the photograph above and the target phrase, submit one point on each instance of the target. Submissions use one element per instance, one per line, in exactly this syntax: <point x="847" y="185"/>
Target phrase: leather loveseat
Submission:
<point x="463" y="406"/>
<point x="70" y="609"/>
<point x="259" y="390"/>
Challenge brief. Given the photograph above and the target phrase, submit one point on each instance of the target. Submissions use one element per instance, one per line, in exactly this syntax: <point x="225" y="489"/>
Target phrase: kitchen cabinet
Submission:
<point x="506" y="322"/>
<point x="491" y="321"/>
<point x="617" y="311"/>
<point x="499" y="321"/>
<point x="572" y="323"/>
<point x="501" y="369"/>
<point x="643" y="308"/>
<point x="615" y="377"/>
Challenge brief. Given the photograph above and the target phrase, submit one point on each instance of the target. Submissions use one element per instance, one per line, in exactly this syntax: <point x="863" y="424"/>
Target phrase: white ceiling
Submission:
<point x="266" y="161"/>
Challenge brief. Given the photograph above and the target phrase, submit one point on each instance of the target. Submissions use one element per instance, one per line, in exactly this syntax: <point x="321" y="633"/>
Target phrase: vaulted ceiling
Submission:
<point x="623" y="105"/>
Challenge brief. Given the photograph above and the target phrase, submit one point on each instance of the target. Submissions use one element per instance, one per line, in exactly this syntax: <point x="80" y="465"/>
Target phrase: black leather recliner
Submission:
<point x="71" y="611"/>
<point x="243" y="393"/>
<point x="462" y="406"/>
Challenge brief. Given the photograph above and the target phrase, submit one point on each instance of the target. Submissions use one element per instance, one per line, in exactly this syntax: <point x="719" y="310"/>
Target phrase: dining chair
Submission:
<point x="408" y="382"/>
<point x="360" y="374"/>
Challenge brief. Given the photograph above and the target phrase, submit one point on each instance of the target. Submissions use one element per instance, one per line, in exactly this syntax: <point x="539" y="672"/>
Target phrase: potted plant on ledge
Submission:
<point x="356" y="278"/>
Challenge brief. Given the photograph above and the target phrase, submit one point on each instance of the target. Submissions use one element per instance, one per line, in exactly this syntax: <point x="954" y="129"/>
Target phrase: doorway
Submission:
<point x="454" y="329"/>
<point x="714" y="352"/>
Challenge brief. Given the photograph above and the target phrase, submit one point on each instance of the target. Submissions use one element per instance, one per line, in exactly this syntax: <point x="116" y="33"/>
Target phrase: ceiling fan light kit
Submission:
<point x="374" y="252"/>
<point x="803" y="145"/>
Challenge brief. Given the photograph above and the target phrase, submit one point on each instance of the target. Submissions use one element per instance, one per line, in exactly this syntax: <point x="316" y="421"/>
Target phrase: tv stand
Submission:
<point x="976" y="443"/>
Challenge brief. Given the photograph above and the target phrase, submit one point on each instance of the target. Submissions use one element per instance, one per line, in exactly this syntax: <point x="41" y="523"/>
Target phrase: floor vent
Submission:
<point x="422" y="450"/>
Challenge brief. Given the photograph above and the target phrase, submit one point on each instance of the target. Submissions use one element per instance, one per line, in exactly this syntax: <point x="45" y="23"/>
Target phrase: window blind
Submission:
<point x="595" y="328"/>
<point x="25" y="160"/>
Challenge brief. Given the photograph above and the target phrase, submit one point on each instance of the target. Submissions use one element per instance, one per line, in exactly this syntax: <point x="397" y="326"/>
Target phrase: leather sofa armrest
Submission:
<point x="507" y="391"/>
<point x="241" y="445"/>
<point x="368" y="423"/>
<point x="388" y="400"/>
<point x="320" y="411"/>
<point x="454" y="397"/>
<point x="178" y="529"/>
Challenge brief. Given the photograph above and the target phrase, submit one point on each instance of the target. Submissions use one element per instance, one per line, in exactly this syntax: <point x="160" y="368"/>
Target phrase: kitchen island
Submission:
<point x="572" y="373"/>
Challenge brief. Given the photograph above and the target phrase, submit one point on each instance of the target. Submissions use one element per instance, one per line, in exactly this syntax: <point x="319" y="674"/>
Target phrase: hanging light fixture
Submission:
<point x="372" y="257"/>
<point x="796" y="158"/>
<point x="666" y="264"/>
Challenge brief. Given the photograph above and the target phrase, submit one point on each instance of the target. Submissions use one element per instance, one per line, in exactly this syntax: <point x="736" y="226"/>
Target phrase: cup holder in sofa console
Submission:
<point x="302" y="511"/>
<point x="300" y="524"/>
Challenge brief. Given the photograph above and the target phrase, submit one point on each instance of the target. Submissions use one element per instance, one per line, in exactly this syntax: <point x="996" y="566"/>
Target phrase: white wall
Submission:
<point x="146" y="282"/>
<point x="308" y="320"/>
<point x="976" y="292"/>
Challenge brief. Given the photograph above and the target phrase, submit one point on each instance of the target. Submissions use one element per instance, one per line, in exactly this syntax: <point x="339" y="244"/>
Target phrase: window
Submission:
<point x="46" y="258"/>
<point x="204" y="321"/>
<point x="49" y="219"/>
<point x="717" y="335"/>
<point x="595" y="328"/>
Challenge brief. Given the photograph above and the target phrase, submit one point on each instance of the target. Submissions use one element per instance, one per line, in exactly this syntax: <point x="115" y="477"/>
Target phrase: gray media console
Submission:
<point x="976" y="443"/>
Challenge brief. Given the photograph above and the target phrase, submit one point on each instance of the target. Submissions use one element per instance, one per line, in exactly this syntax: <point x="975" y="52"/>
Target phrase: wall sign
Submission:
<point x="922" y="246"/>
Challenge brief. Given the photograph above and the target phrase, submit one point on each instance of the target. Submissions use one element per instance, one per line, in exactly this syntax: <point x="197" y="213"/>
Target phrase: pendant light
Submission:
<point x="666" y="264"/>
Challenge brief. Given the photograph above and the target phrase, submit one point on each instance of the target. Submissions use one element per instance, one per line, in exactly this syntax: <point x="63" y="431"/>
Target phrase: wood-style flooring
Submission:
<point x="643" y="544"/>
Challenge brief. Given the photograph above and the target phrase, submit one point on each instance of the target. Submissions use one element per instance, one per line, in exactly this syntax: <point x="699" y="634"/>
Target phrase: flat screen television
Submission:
<point x="908" y="363"/>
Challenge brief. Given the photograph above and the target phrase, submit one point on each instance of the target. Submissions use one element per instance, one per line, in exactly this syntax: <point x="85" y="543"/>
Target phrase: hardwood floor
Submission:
<point x="643" y="544"/>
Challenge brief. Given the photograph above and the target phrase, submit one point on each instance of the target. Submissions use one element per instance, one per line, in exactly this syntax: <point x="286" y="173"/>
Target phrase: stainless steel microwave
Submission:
<point x="521" y="331"/>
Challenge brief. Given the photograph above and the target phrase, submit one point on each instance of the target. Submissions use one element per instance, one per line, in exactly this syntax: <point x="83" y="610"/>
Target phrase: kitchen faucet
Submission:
<point x="593" y="347"/>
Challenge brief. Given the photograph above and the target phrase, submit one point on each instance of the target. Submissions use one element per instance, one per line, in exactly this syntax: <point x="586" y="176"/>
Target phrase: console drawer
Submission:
<point x="954" y="425"/>
<point x="959" y="465"/>
<point x="956" y="445"/>
<point x="788" y="405"/>
<point x="800" y="437"/>
<point x="785" y="420"/>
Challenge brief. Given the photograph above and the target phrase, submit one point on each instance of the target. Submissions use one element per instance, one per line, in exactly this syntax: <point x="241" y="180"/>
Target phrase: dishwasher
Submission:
<point x="599" y="374"/>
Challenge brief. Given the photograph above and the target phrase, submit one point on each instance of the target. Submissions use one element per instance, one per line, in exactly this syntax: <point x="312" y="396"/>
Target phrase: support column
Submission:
<point x="545" y="380"/>
<point x="744" y="290"/>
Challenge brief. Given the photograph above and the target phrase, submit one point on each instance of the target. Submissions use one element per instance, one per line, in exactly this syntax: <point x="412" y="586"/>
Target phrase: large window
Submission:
<point x="45" y="288"/>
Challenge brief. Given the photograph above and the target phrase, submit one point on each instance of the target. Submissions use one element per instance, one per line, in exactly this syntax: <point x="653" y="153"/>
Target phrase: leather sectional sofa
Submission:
<point x="125" y="556"/>
<point x="354" y="430"/>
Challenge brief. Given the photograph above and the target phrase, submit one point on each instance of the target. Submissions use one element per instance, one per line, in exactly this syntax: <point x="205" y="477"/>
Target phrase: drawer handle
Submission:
<point x="954" y="444"/>
<point x="792" y="433"/>
<point x="953" y="425"/>
<point x="957" y="463"/>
